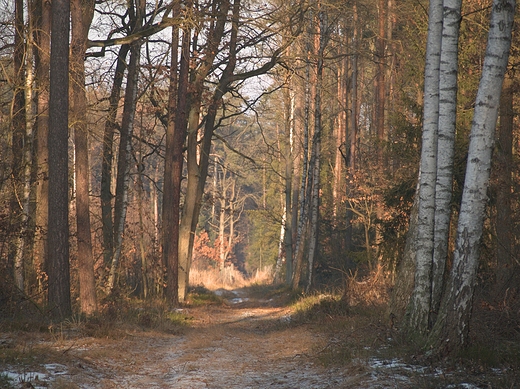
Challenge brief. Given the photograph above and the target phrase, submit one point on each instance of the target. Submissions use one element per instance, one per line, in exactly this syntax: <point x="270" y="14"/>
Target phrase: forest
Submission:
<point x="315" y="144"/>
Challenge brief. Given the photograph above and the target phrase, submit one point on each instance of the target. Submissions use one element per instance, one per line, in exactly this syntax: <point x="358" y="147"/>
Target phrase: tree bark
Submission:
<point x="289" y="168"/>
<point x="303" y="220"/>
<point x="504" y="163"/>
<point x="18" y="130"/>
<point x="58" y="229"/>
<point x="173" y="160"/>
<point x="81" y="13"/>
<point x="417" y="320"/>
<point x="450" y="333"/>
<point x="108" y="156"/>
<point x="316" y="148"/>
<point x="124" y="162"/>
<point x="445" y="145"/>
<point x="197" y="170"/>
<point x="42" y="64"/>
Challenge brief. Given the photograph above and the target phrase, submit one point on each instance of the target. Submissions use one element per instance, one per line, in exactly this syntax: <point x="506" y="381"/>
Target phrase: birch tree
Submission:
<point x="419" y="306"/>
<point x="445" y="144"/>
<point x="450" y="332"/>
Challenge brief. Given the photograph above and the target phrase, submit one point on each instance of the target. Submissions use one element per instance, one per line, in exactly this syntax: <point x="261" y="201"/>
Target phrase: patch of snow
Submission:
<point x="238" y="300"/>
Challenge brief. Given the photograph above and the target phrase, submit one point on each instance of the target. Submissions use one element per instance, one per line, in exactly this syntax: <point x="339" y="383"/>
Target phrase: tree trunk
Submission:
<point x="173" y="161"/>
<point x="405" y="269"/>
<point x="417" y="320"/>
<point x="289" y="167"/>
<point x="108" y="156"/>
<point x="450" y="333"/>
<point x="301" y="231"/>
<point x="124" y="161"/>
<point x="18" y="130"/>
<point x="504" y="163"/>
<point x="445" y="145"/>
<point x="340" y="140"/>
<point x="81" y="14"/>
<point x="42" y="40"/>
<point x="379" y="110"/>
<point x="198" y="170"/>
<point x="316" y="148"/>
<point x="58" y="229"/>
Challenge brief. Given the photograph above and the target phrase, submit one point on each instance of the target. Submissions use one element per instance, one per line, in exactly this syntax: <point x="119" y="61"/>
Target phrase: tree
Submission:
<point x="58" y="229"/>
<point x="42" y="18"/>
<point x="18" y="210"/>
<point x="419" y="306"/>
<point x="450" y="332"/>
<point x="125" y="144"/>
<point x="174" y="159"/>
<point x="81" y="15"/>
<point x="445" y="145"/>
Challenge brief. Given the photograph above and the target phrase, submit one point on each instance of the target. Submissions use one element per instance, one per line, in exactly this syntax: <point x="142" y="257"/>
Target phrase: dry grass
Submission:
<point x="371" y="290"/>
<point x="228" y="278"/>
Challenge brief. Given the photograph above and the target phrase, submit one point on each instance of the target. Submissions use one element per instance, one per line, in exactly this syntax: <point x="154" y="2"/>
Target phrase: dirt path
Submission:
<point x="244" y="344"/>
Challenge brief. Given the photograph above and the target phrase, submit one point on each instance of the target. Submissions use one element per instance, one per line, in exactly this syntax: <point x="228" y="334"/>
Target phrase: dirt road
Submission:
<point x="244" y="343"/>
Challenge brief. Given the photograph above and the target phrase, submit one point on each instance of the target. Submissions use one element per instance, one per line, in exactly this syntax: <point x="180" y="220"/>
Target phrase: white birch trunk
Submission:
<point x="445" y="143"/>
<point x="450" y="332"/>
<point x="279" y="258"/>
<point x="419" y="307"/>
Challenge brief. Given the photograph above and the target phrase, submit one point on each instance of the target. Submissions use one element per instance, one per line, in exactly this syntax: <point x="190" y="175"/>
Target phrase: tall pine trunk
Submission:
<point x="42" y="63"/>
<point x="58" y="229"/>
<point x="18" y="131"/>
<point x="81" y="14"/>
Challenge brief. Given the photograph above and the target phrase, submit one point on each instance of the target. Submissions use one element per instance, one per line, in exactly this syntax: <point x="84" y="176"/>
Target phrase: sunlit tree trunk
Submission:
<point x="316" y="148"/>
<point x="303" y="219"/>
<point x="289" y="169"/>
<point x="18" y="130"/>
<point x="81" y="14"/>
<point x="58" y="229"/>
<point x="352" y="139"/>
<point x="198" y="168"/>
<point x="419" y="306"/>
<point x="173" y="161"/>
<point x="42" y="42"/>
<point x="450" y="332"/>
<point x="340" y="139"/>
<point x="379" y="103"/>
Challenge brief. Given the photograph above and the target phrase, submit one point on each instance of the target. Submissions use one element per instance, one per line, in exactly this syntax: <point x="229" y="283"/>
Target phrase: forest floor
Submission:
<point x="239" y="342"/>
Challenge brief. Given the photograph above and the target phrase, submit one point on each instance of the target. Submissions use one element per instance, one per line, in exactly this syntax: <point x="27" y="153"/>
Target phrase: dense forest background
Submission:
<point x="239" y="137"/>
